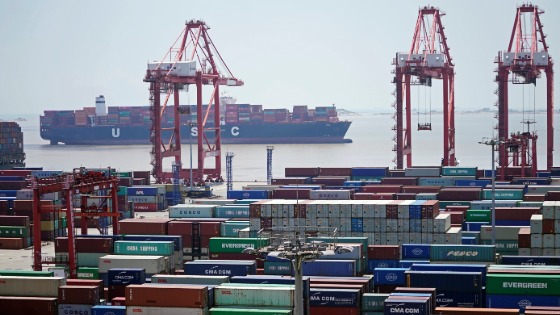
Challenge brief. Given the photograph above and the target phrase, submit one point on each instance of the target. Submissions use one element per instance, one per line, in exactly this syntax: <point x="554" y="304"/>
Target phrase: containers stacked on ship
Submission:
<point x="147" y="198"/>
<point x="14" y="232"/>
<point x="153" y="299"/>
<point x="11" y="145"/>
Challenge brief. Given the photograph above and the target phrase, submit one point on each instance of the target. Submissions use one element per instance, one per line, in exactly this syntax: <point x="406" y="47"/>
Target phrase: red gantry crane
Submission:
<point x="526" y="58"/>
<point x="427" y="59"/>
<point x="193" y="59"/>
<point x="80" y="181"/>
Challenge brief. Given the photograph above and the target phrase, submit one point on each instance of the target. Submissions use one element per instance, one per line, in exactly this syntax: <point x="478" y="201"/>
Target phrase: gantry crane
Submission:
<point x="427" y="59"/>
<point x="80" y="181"/>
<point x="192" y="60"/>
<point x="525" y="59"/>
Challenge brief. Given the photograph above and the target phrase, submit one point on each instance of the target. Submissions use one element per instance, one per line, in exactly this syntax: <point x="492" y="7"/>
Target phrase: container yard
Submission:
<point x="367" y="240"/>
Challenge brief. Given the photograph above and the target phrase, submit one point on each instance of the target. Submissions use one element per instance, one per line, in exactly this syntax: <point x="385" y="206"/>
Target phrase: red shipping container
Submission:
<point x="145" y="207"/>
<point x="116" y="291"/>
<point x="85" y="282"/>
<point x="288" y="193"/>
<point x="28" y="305"/>
<point x="553" y="196"/>
<point x="144" y="226"/>
<point x="459" y="194"/>
<point x="457" y="217"/>
<point x="534" y="197"/>
<point x="210" y="228"/>
<point x="382" y="189"/>
<point x="23" y="173"/>
<point x="94" y="245"/>
<point x="335" y="171"/>
<point x="457" y="208"/>
<point x="12" y="243"/>
<point x="333" y="310"/>
<point x="430" y="209"/>
<point x="301" y="171"/>
<point x="171" y="296"/>
<point x="179" y="227"/>
<point x="405" y="196"/>
<point x="255" y="210"/>
<point x="12" y="220"/>
<point x="524" y="237"/>
<point x="399" y="181"/>
<point x="13" y="185"/>
<point x="363" y="196"/>
<point x="73" y="294"/>
<point x="384" y="252"/>
<point x="516" y="213"/>
<point x="421" y="189"/>
<point x="47" y="235"/>
<point x="548" y="226"/>
<point x="384" y="288"/>
<point x="384" y="196"/>
<point x="4" y="206"/>
<point x="330" y="180"/>
<point x="290" y="181"/>
<point x="118" y="301"/>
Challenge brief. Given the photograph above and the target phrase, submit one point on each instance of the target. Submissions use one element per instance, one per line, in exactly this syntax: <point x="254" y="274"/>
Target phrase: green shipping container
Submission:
<point x="373" y="302"/>
<point x="481" y="253"/>
<point x="503" y="194"/>
<point x="155" y="248"/>
<point x="522" y="284"/>
<point x="251" y="311"/>
<point x="26" y="273"/>
<point x="503" y="246"/>
<point x="90" y="273"/>
<point x="444" y="204"/>
<point x="479" y="215"/>
<point x="235" y="244"/>
<point x="258" y="296"/>
<point x="231" y="229"/>
<point x="13" y="231"/>
<point x="458" y="171"/>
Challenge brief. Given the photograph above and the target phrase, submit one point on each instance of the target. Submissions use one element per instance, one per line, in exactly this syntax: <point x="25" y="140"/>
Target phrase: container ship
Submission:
<point x="240" y="124"/>
<point x="11" y="145"/>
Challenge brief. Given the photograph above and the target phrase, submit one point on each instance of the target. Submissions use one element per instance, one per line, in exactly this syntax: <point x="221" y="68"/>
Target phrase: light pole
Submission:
<point x="493" y="143"/>
<point x="298" y="252"/>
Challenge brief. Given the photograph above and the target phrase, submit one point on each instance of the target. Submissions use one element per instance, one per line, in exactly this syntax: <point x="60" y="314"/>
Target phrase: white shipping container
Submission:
<point x="31" y="286"/>
<point x="415" y="238"/>
<point x="524" y="251"/>
<point x="557" y="241"/>
<point x="404" y="238"/>
<point x="536" y="252"/>
<point x="548" y="251"/>
<point x="549" y="210"/>
<point x="392" y="225"/>
<point x="427" y="238"/>
<point x="377" y="238"/>
<point x="191" y="211"/>
<point x="502" y="232"/>
<point x="329" y="194"/>
<point x="158" y="310"/>
<point x="548" y="240"/>
<point x="453" y="235"/>
<point x="403" y="225"/>
<point x="152" y="264"/>
<point x="442" y="223"/>
<point x="255" y="224"/>
<point x="392" y="239"/>
<point x="536" y="241"/>
<point x="536" y="223"/>
<point x="439" y="238"/>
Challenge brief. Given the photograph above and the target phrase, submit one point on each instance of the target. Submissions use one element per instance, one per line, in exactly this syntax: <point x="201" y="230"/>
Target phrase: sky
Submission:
<point x="62" y="54"/>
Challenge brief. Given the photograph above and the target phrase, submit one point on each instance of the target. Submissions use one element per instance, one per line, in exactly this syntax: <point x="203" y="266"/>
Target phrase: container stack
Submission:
<point x="11" y="145"/>
<point x="78" y="299"/>
<point x="119" y="278"/>
<point x="30" y="295"/>
<point x="14" y="232"/>
<point x="544" y="232"/>
<point x="148" y="248"/>
<point x="147" y="198"/>
<point x="517" y="288"/>
<point x="261" y="297"/>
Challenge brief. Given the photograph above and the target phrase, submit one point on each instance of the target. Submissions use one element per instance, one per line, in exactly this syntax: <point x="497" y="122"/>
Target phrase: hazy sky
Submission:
<point x="62" y="54"/>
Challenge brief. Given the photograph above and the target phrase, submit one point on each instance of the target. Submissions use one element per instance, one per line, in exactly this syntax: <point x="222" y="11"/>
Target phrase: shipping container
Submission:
<point x="256" y="296"/>
<point x="151" y="264"/>
<point x="31" y="286"/>
<point x="521" y="301"/>
<point x="126" y="276"/>
<point x="220" y="267"/>
<point x="251" y="311"/>
<point x="108" y="310"/>
<point x="445" y="280"/>
<point x="71" y="294"/>
<point x="29" y="305"/>
<point x="189" y="279"/>
<point x="190" y="296"/>
<point x="156" y="248"/>
<point x="522" y="284"/>
<point x="390" y="276"/>
<point x="159" y="310"/>
<point x="480" y="253"/>
<point x="235" y="244"/>
<point x="415" y="251"/>
<point x="335" y="297"/>
<point x="337" y="268"/>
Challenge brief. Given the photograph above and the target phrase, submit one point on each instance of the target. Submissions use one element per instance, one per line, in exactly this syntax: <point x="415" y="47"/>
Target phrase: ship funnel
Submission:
<point x="100" y="108"/>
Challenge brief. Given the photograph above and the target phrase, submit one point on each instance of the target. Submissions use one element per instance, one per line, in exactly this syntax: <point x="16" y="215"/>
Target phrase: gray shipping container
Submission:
<point x="330" y="194"/>
<point x="31" y="286"/>
<point x="422" y="172"/>
<point x="189" y="279"/>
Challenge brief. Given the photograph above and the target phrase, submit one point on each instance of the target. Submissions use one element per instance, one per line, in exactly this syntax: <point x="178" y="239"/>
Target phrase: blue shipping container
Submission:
<point x="521" y="301"/>
<point x="389" y="276"/>
<point x="336" y="268"/>
<point x="468" y="240"/>
<point x="248" y="194"/>
<point x="377" y="263"/>
<point x="399" y="306"/>
<point x="445" y="280"/>
<point x="473" y="226"/>
<point x="370" y="171"/>
<point x="531" y="260"/>
<point x="460" y="299"/>
<point x="108" y="310"/>
<point x="452" y="268"/>
<point x="415" y="251"/>
<point x="335" y="297"/>
<point x="126" y="276"/>
<point x="142" y="191"/>
<point x="472" y="182"/>
<point x="220" y="267"/>
<point x="409" y="263"/>
<point x="74" y="309"/>
<point x="531" y="181"/>
<point x="8" y="193"/>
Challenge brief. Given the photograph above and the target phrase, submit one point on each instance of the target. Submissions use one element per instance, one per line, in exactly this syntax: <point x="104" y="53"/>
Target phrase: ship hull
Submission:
<point x="312" y="132"/>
